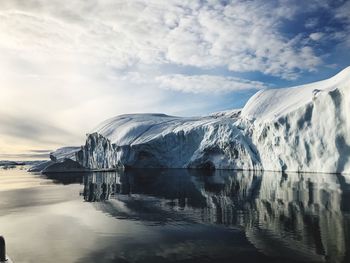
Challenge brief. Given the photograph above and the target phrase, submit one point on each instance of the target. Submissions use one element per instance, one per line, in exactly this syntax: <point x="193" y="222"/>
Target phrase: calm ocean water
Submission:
<point x="175" y="216"/>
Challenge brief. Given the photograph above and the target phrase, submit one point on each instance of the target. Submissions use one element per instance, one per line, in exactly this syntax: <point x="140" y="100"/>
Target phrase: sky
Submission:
<point x="67" y="65"/>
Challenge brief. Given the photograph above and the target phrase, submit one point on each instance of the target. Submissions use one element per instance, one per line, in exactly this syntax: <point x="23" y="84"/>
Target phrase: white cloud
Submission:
<point x="197" y="84"/>
<point x="206" y="83"/>
<point x="241" y="36"/>
<point x="316" y="36"/>
<point x="343" y="14"/>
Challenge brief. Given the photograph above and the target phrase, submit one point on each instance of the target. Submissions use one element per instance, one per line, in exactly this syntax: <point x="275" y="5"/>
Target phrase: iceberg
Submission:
<point x="300" y="129"/>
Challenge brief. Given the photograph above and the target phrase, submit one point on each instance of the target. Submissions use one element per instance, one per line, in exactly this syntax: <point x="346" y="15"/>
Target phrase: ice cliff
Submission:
<point x="304" y="128"/>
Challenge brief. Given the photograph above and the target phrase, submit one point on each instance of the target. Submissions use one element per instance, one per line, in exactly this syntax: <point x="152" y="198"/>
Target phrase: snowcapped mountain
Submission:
<point x="304" y="128"/>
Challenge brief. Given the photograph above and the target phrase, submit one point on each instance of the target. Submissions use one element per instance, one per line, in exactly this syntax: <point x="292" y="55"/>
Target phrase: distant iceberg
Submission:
<point x="304" y="128"/>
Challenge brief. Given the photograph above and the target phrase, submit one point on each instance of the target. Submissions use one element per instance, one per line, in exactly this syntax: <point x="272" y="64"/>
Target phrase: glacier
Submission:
<point x="298" y="129"/>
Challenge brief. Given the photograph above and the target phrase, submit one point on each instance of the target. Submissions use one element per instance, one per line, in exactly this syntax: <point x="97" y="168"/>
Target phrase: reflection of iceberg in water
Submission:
<point x="99" y="186"/>
<point x="296" y="216"/>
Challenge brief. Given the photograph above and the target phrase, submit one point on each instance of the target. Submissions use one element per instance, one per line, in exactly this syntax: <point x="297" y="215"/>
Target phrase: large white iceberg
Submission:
<point x="304" y="128"/>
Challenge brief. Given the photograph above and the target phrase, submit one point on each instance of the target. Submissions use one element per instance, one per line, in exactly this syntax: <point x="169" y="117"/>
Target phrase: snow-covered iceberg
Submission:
<point x="304" y="128"/>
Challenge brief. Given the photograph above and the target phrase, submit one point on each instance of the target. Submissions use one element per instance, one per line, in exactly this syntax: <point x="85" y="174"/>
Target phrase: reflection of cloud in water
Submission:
<point x="291" y="215"/>
<point x="19" y="179"/>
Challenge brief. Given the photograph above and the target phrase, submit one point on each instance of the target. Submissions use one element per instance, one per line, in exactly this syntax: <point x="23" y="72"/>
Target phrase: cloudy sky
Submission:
<point x="66" y="65"/>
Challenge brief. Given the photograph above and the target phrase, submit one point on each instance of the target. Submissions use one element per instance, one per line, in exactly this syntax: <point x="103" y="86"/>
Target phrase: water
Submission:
<point x="175" y="216"/>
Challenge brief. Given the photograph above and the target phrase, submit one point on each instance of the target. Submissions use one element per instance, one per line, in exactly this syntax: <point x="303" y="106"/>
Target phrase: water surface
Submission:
<point x="175" y="216"/>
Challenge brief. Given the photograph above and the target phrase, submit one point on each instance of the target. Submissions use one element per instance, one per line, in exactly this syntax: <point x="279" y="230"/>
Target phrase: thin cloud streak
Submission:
<point x="207" y="83"/>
